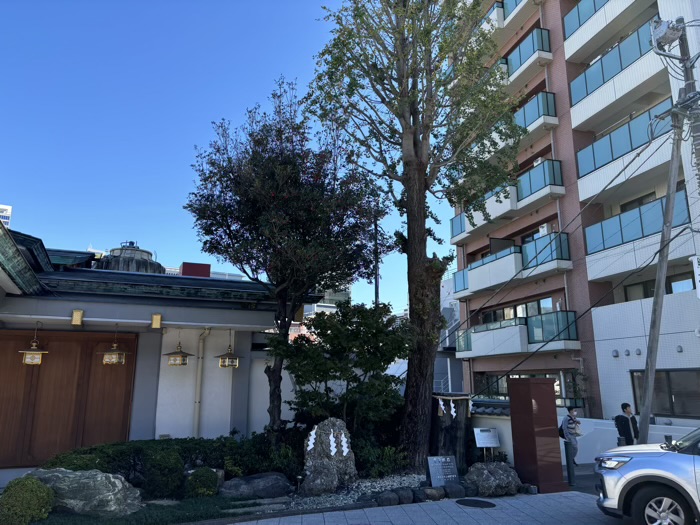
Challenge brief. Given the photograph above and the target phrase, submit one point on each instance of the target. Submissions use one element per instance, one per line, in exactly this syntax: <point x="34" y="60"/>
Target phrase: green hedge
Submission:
<point x="202" y="483"/>
<point x="25" y="500"/>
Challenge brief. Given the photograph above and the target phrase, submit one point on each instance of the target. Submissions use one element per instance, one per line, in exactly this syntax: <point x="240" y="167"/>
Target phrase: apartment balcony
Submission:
<point x="526" y="60"/>
<point x="615" y="82"/>
<point x="625" y="242"/>
<point x="593" y="25"/>
<point x="495" y="269"/>
<point x="461" y="284"/>
<point x="520" y="335"/>
<point x="538" y="117"/>
<point x="600" y="162"/>
<point x="517" y="12"/>
<point x="545" y="256"/>
<point x="494" y="18"/>
<point x="533" y="189"/>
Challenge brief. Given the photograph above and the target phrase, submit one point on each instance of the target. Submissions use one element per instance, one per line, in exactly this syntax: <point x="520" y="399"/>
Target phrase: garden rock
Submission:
<point x="493" y="479"/>
<point x="90" y="492"/>
<point x="454" y="491"/>
<point x="265" y="485"/>
<point x="431" y="494"/>
<point x="440" y="491"/>
<point x="405" y="495"/>
<point x="387" y="499"/>
<point x="471" y="489"/>
<point x="419" y="496"/>
<point x="329" y="462"/>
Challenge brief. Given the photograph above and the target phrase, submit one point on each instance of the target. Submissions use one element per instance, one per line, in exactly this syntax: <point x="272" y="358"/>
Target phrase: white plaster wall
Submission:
<point x="503" y="426"/>
<point x="176" y="387"/>
<point x="625" y="326"/>
<point x="259" y="395"/>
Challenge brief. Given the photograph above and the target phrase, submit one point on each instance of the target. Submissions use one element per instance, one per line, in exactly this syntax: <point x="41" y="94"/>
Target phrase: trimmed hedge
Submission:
<point x="202" y="483"/>
<point x="25" y="500"/>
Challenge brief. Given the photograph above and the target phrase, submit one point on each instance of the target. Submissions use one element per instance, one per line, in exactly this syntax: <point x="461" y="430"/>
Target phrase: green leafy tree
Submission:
<point x="340" y="367"/>
<point x="287" y="209"/>
<point x="406" y="80"/>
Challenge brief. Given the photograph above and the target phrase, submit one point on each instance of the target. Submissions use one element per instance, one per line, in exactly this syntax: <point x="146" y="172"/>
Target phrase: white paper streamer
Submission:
<point x="453" y="410"/>
<point x="344" y="444"/>
<point x="312" y="439"/>
<point x="442" y="405"/>
<point x="334" y="447"/>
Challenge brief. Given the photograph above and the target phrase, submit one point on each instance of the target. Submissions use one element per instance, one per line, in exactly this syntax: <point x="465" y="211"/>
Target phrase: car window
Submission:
<point x="689" y="444"/>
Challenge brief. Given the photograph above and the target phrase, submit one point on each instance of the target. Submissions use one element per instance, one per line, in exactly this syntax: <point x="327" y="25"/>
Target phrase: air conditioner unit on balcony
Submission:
<point x="537" y="162"/>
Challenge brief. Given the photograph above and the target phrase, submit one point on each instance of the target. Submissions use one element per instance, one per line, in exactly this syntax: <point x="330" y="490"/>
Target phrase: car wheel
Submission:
<point x="659" y="505"/>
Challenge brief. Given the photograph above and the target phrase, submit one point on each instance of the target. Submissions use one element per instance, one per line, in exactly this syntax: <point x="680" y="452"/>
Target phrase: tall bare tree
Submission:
<point x="416" y="85"/>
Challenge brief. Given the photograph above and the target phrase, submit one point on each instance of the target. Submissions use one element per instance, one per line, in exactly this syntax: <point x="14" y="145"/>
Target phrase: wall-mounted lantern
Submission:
<point x="115" y="356"/>
<point x="227" y="359"/>
<point x="178" y="357"/>
<point x="34" y="355"/>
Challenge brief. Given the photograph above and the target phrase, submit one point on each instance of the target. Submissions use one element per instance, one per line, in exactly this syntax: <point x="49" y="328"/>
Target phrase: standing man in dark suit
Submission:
<point x="626" y="424"/>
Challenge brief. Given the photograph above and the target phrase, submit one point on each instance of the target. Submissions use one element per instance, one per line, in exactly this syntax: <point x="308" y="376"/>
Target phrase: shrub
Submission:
<point x="25" y="500"/>
<point x="163" y="473"/>
<point x="202" y="483"/>
<point x="74" y="461"/>
<point x="376" y="462"/>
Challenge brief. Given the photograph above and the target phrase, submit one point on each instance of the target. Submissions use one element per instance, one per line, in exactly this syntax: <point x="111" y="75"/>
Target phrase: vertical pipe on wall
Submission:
<point x="198" y="383"/>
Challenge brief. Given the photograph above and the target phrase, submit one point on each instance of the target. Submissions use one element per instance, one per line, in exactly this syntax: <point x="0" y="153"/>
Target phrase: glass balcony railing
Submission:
<point x="458" y="224"/>
<point x="494" y="257"/>
<point x="495" y="6"/>
<point x="580" y="14"/>
<point x="461" y="280"/>
<point x="509" y="6"/>
<point x="464" y="341"/>
<point x="554" y="246"/>
<point x="542" y="104"/>
<point x="553" y="326"/>
<point x="538" y="40"/>
<point x="624" y="139"/>
<point x="635" y="224"/>
<point x="516" y="321"/>
<point x="611" y="63"/>
<point x="548" y="173"/>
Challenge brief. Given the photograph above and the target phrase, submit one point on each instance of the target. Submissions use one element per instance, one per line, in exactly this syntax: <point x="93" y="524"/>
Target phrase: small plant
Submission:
<point x="377" y="462"/>
<point x="163" y="473"/>
<point x="202" y="483"/>
<point x="231" y="469"/>
<point x="25" y="500"/>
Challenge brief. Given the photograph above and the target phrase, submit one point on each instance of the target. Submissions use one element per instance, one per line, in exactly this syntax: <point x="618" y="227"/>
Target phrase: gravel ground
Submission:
<point x="354" y="491"/>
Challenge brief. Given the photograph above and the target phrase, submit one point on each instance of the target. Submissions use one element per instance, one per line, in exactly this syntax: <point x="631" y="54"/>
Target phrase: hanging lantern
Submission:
<point x="227" y="359"/>
<point x="178" y="357"/>
<point x="34" y="354"/>
<point x="115" y="356"/>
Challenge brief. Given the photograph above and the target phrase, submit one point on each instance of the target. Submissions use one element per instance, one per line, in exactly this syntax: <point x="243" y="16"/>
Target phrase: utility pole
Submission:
<point x="665" y="33"/>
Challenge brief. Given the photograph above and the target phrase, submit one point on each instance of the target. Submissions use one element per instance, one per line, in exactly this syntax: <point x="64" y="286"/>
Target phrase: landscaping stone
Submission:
<point x="471" y="489"/>
<point x="419" y="495"/>
<point x="90" y="492"/>
<point x="265" y="485"/>
<point x="431" y="494"/>
<point x="454" y="491"/>
<point x="405" y="495"/>
<point x="387" y="499"/>
<point x="493" y="479"/>
<point x="329" y="462"/>
<point x="440" y="491"/>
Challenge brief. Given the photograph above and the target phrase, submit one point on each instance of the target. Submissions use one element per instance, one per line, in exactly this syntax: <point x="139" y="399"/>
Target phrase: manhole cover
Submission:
<point x="476" y="503"/>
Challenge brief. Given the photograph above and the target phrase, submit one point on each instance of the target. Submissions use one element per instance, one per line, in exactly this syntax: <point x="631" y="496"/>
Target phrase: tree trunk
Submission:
<point x="283" y="320"/>
<point x="424" y="276"/>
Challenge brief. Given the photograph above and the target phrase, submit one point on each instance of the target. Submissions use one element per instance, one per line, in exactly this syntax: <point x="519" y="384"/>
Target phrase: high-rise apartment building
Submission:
<point x="5" y="215"/>
<point x="593" y="166"/>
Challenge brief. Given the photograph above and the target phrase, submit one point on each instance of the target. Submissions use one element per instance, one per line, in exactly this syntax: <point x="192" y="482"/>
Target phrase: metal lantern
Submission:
<point x="227" y="359"/>
<point x="115" y="356"/>
<point x="34" y="354"/>
<point x="178" y="357"/>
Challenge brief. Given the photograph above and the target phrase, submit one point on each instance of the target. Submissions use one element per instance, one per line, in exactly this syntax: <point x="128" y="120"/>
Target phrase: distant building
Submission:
<point x="5" y="215"/>
<point x="202" y="270"/>
<point x="328" y="304"/>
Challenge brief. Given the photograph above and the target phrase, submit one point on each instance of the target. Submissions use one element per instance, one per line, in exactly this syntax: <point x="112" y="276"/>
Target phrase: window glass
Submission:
<point x="585" y="160"/>
<point x="532" y="111"/>
<point x="527" y="47"/>
<point x="602" y="152"/>
<point x="636" y="203"/>
<point x="652" y="217"/>
<point x="681" y="214"/>
<point x="537" y="177"/>
<point x="599" y="4"/>
<point x="661" y="126"/>
<point x="509" y="312"/>
<point x="571" y="22"/>
<point x="644" y="34"/>
<point x="685" y="393"/>
<point x="621" y="142"/>
<point x="521" y="310"/>
<point x="546" y="305"/>
<point x="629" y="50"/>
<point x="683" y="282"/>
<point x="594" y="239"/>
<point x="612" y="235"/>
<point x="661" y="403"/>
<point x="586" y="9"/>
<point x="639" y="130"/>
<point x="631" y="224"/>
<point x="594" y="76"/>
<point x="533" y="309"/>
<point x="524" y="188"/>
<point x="611" y="64"/>
<point x="635" y="292"/>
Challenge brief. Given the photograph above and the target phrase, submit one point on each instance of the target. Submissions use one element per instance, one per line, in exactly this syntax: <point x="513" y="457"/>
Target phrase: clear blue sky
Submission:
<point x="102" y="103"/>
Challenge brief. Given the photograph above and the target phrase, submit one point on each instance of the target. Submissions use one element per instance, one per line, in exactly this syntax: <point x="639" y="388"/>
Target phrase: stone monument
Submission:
<point x="329" y="462"/>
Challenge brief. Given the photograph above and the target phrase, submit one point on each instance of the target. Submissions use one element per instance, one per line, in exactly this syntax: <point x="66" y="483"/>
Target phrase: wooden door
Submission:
<point x="69" y="401"/>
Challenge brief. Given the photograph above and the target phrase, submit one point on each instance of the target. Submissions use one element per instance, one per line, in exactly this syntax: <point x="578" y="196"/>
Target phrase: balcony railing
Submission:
<point x="612" y="63"/>
<point x="547" y="248"/>
<point x="548" y="173"/>
<point x="580" y="14"/>
<point x="509" y="6"/>
<point x="458" y="224"/>
<point x="541" y="105"/>
<point x="494" y="257"/>
<point x="464" y="341"/>
<point x="516" y="321"/>
<point x="624" y="139"/>
<point x="495" y="6"/>
<point x="553" y="326"/>
<point x="461" y="280"/>
<point x="538" y="40"/>
<point x="635" y="224"/>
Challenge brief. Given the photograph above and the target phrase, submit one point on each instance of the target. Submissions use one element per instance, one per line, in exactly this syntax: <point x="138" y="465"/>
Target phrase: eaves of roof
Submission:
<point x="15" y="265"/>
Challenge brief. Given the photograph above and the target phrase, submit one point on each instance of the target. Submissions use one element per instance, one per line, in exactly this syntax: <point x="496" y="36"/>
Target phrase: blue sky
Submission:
<point x="102" y="103"/>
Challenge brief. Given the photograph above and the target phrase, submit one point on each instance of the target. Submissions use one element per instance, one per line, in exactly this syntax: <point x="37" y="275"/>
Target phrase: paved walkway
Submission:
<point x="544" y="509"/>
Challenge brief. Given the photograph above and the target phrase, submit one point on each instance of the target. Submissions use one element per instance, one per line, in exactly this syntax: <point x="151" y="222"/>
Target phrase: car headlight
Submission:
<point x="613" y="462"/>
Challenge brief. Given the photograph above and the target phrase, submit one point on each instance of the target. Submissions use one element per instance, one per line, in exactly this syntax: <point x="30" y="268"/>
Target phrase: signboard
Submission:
<point x="486" y="438"/>
<point x="442" y="470"/>
<point x="695" y="259"/>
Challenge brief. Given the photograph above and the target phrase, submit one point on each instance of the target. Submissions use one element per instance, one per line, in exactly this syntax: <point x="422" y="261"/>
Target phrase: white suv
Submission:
<point x="653" y="484"/>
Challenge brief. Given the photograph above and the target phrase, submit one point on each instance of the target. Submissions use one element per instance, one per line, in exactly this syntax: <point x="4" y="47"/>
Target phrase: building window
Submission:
<point x="540" y="306"/>
<point x="681" y="282"/>
<point x="638" y="202"/>
<point x="676" y="392"/>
